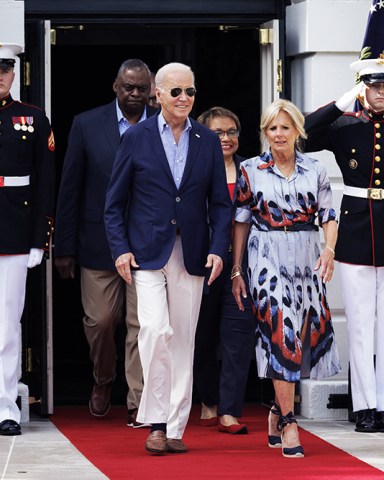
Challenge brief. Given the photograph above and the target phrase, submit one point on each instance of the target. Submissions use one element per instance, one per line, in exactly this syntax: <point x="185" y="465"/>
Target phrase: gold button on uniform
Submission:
<point x="377" y="182"/>
<point x="377" y="159"/>
<point x="378" y="135"/>
<point x="353" y="150"/>
<point x="377" y="147"/>
<point x="377" y="170"/>
<point x="377" y="125"/>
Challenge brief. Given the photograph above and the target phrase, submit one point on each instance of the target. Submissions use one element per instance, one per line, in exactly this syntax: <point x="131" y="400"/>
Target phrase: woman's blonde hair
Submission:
<point x="271" y="112"/>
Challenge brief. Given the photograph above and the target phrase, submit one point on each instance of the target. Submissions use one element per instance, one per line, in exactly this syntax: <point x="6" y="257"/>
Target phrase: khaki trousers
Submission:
<point x="103" y="294"/>
<point x="168" y="306"/>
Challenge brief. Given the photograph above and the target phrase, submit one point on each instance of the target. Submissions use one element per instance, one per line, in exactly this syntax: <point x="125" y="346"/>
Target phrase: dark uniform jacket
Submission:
<point x="357" y="141"/>
<point x="92" y="146"/>
<point x="26" y="148"/>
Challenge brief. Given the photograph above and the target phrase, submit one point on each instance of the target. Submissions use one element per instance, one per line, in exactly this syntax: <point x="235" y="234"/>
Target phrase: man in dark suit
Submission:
<point x="27" y="180"/>
<point x="356" y="139"/>
<point x="80" y="233"/>
<point x="168" y="217"/>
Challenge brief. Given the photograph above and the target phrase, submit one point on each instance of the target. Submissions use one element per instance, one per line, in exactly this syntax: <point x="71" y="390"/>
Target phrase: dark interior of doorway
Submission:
<point x="84" y="65"/>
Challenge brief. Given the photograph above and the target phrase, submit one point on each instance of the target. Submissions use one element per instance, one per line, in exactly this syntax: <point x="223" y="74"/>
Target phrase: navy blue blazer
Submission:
<point x="92" y="145"/>
<point x="142" y="182"/>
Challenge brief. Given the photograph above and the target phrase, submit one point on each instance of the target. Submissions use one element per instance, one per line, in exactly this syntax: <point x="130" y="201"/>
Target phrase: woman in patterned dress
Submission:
<point x="281" y="194"/>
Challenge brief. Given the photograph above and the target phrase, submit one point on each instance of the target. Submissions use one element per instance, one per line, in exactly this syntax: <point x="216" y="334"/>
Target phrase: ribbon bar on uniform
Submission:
<point x="14" y="181"/>
<point x="369" y="193"/>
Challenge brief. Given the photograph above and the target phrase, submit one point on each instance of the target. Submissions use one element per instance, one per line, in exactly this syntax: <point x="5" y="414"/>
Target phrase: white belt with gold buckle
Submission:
<point x="370" y="193"/>
<point x="14" y="181"/>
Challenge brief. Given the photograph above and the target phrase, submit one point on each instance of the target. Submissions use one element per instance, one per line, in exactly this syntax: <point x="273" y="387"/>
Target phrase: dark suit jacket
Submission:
<point x="142" y="180"/>
<point x="92" y="146"/>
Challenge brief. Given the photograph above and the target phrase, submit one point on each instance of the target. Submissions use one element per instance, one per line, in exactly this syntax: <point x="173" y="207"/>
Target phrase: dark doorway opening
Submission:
<point x="85" y="60"/>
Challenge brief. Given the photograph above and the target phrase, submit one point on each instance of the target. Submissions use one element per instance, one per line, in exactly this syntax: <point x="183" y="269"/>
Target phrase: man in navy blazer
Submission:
<point x="80" y="233"/>
<point x="168" y="220"/>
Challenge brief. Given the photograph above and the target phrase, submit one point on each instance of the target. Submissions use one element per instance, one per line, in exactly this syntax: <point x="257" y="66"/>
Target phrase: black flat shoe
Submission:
<point x="379" y="421"/>
<point x="10" y="427"/>
<point x="365" y="421"/>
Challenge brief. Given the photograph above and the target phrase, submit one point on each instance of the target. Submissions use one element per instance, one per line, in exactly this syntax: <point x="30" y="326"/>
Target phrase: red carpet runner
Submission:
<point x="118" y="451"/>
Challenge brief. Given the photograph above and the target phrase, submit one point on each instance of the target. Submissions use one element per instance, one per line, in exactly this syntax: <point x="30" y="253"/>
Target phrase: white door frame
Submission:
<point x="270" y="63"/>
<point x="49" y="307"/>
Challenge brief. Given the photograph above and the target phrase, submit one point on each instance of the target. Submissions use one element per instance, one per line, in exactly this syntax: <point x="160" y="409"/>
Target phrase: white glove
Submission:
<point x="345" y="100"/>
<point x="35" y="257"/>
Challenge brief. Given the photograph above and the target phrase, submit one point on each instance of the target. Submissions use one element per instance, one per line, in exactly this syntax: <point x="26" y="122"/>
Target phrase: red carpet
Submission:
<point x="118" y="451"/>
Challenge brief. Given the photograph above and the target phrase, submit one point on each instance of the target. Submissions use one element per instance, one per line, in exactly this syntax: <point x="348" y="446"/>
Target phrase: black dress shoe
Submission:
<point x="379" y="421"/>
<point x="10" y="427"/>
<point x="365" y="421"/>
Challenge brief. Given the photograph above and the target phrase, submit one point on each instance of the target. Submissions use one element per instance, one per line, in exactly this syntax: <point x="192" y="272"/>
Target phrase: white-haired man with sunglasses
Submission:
<point x="168" y="220"/>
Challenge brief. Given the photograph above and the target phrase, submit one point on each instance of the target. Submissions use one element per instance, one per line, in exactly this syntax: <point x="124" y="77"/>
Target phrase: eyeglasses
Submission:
<point x="230" y="133"/>
<point x="176" y="92"/>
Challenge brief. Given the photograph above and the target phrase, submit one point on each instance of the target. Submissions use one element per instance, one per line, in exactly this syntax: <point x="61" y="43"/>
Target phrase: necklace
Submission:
<point x="290" y="169"/>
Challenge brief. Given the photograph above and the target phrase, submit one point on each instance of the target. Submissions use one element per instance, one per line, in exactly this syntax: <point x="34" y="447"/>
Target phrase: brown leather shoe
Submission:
<point x="156" y="442"/>
<point x="176" y="445"/>
<point x="100" y="401"/>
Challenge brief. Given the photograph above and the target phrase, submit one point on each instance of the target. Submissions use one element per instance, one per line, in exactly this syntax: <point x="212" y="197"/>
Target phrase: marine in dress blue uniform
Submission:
<point x="26" y="203"/>
<point x="357" y="141"/>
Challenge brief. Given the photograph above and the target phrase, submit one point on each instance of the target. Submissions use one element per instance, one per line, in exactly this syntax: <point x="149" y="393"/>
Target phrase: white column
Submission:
<point x="323" y="38"/>
<point x="12" y="31"/>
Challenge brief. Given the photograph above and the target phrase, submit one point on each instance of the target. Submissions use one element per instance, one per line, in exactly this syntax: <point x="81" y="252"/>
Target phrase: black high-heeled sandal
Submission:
<point x="274" y="441"/>
<point x="289" y="452"/>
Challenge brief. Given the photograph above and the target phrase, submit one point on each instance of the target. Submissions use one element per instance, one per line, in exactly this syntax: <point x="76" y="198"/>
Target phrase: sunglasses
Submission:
<point x="177" y="91"/>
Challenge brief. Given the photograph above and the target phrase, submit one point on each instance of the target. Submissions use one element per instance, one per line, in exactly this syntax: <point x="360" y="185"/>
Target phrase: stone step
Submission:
<point x="23" y="402"/>
<point x="315" y="398"/>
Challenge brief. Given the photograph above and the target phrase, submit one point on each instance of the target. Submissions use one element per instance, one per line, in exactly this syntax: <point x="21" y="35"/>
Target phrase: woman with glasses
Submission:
<point x="281" y="195"/>
<point x="221" y="323"/>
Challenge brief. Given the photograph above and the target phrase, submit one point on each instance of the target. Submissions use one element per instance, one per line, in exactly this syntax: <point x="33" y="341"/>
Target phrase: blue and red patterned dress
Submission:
<point x="285" y="288"/>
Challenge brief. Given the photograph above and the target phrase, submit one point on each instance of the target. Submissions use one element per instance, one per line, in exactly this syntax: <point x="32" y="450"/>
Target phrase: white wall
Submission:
<point x="323" y="38"/>
<point x="12" y="31"/>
